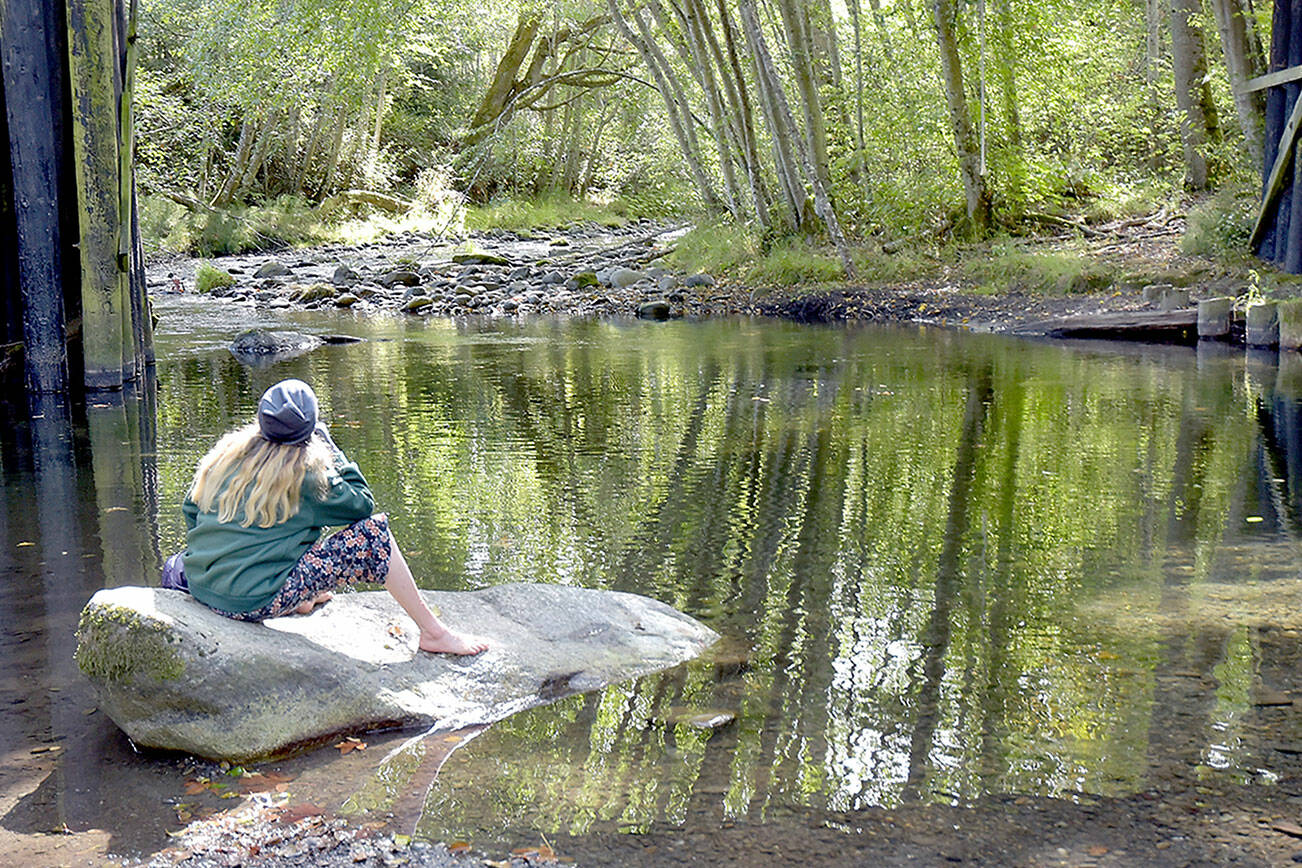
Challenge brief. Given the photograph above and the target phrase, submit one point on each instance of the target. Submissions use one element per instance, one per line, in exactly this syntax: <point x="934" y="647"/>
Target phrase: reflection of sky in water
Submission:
<point x="944" y="566"/>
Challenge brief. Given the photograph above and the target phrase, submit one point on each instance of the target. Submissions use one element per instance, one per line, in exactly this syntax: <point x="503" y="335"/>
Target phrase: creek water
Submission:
<point x="944" y="565"/>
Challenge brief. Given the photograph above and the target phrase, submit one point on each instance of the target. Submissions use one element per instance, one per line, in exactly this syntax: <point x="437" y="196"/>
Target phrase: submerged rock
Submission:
<point x="258" y="347"/>
<point x="175" y="675"/>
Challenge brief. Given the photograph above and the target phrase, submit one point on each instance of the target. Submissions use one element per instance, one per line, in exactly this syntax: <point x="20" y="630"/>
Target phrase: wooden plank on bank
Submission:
<point x="1177" y="326"/>
<point x="1283" y="76"/>
<point x="1276" y="183"/>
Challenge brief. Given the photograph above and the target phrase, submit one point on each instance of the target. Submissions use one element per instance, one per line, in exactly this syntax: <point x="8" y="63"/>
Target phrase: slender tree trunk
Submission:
<point x="799" y="32"/>
<point x="698" y="60"/>
<point x="332" y="161"/>
<point x="785" y="128"/>
<point x="1241" y="66"/>
<point x="742" y="110"/>
<point x="1190" y="67"/>
<point x="975" y="191"/>
<point x="243" y="152"/>
<point x="676" y="106"/>
<point x="1152" y="69"/>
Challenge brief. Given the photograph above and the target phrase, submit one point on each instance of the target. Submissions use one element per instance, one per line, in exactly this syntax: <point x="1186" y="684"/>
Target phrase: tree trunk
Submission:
<point x="1241" y="65"/>
<point x="743" y="113"/>
<point x="785" y="128"/>
<point x="243" y="152"/>
<point x="975" y="191"/>
<point x="1277" y="109"/>
<point x="799" y="33"/>
<point x="508" y="68"/>
<point x="679" y="112"/>
<point x="1190" y="67"/>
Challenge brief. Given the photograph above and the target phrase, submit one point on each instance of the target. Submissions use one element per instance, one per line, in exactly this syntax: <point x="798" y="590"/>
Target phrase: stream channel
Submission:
<point x="945" y="566"/>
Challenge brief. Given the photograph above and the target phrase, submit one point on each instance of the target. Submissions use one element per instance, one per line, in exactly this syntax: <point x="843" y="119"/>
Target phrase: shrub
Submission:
<point x="207" y="278"/>
<point x="1220" y="226"/>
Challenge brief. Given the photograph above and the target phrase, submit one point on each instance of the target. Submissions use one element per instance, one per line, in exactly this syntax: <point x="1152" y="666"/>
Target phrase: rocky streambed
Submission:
<point x="585" y="269"/>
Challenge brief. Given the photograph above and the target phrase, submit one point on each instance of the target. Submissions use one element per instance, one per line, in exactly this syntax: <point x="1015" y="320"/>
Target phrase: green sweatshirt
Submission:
<point x="241" y="569"/>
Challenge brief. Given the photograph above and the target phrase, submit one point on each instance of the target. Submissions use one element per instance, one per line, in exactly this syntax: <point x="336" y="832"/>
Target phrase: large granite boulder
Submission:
<point x="175" y="675"/>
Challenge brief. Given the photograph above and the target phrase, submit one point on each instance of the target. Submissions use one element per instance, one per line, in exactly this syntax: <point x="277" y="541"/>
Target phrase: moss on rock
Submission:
<point x="117" y="644"/>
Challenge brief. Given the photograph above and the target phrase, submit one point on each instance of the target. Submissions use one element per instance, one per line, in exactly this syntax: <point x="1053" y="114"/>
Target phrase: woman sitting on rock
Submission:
<point x="254" y="516"/>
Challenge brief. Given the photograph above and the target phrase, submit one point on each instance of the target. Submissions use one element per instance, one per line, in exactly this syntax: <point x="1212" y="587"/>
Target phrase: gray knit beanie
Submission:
<point x="287" y="413"/>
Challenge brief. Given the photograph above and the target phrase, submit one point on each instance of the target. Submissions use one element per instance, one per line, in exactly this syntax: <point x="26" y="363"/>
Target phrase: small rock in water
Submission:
<point x="272" y="268"/>
<point x="346" y="300"/>
<point x="655" y="309"/>
<point x="420" y="302"/>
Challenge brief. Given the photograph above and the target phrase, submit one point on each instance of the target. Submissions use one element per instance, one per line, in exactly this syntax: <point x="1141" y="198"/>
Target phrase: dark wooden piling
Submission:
<point x="32" y="60"/>
<point x="70" y="252"/>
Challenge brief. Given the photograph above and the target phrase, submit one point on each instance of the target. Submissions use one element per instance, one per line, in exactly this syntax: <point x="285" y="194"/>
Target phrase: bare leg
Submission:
<point x="434" y="636"/>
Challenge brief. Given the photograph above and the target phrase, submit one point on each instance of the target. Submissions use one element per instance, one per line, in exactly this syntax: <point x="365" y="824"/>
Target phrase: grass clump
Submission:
<point x="549" y="211"/>
<point x="1038" y="273"/>
<point x="715" y="247"/>
<point x="1220" y="226"/>
<point x="208" y="277"/>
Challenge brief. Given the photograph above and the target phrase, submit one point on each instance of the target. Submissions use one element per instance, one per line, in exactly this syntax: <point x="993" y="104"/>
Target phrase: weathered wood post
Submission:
<point x="106" y="330"/>
<point x="32" y="52"/>
<point x="73" y="291"/>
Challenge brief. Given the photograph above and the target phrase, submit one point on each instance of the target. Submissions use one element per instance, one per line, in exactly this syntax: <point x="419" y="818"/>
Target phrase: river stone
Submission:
<point x="259" y="347"/>
<point x="622" y="278"/>
<point x="585" y="279"/>
<point x="344" y="276"/>
<point x="175" y="675"/>
<point x="701" y="279"/>
<point x="272" y="268"/>
<point x="346" y="300"/>
<point x="480" y="259"/>
<point x="420" y="302"/>
<point x="654" y="309"/>
<point x="400" y="277"/>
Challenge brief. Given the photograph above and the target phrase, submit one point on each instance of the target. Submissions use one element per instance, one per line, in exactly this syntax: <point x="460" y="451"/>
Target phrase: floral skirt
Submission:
<point x="358" y="553"/>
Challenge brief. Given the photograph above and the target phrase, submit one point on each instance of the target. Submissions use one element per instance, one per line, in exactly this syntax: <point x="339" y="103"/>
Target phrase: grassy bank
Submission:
<point x="1118" y="245"/>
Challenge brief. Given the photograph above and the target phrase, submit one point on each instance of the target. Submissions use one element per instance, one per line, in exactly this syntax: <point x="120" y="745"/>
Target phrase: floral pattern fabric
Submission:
<point x="358" y="553"/>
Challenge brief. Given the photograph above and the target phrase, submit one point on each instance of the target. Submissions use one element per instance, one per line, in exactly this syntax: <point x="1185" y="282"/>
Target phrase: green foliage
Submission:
<point x="1221" y="225"/>
<point x="208" y="277"/>
<point x="551" y="211"/>
<point x="715" y="247"/>
<point x="284" y="222"/>
<point x="1006" y="268"/>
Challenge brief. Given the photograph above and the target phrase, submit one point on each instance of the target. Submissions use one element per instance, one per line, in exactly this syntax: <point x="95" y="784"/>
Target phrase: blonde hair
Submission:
<point x="246" y="472"/>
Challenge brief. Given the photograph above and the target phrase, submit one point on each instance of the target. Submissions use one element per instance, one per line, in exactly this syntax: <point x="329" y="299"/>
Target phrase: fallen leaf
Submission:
<point x="194" y="788"/>
<point x="459" y="847"/>
<point x="261" y="782"/>
<point x="1097" y="850"/>
<point x="349" y="745"/>
<point x="395" y="631"/>
<point x="302" y="811"/>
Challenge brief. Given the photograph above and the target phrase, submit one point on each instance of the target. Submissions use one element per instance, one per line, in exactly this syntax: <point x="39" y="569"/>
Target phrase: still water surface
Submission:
<point x="943" y="565"/>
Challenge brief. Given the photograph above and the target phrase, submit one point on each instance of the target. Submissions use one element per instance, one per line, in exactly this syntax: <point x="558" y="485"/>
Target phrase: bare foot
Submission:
<point x="306" y="607"/>
<point x="450" y="642"/>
